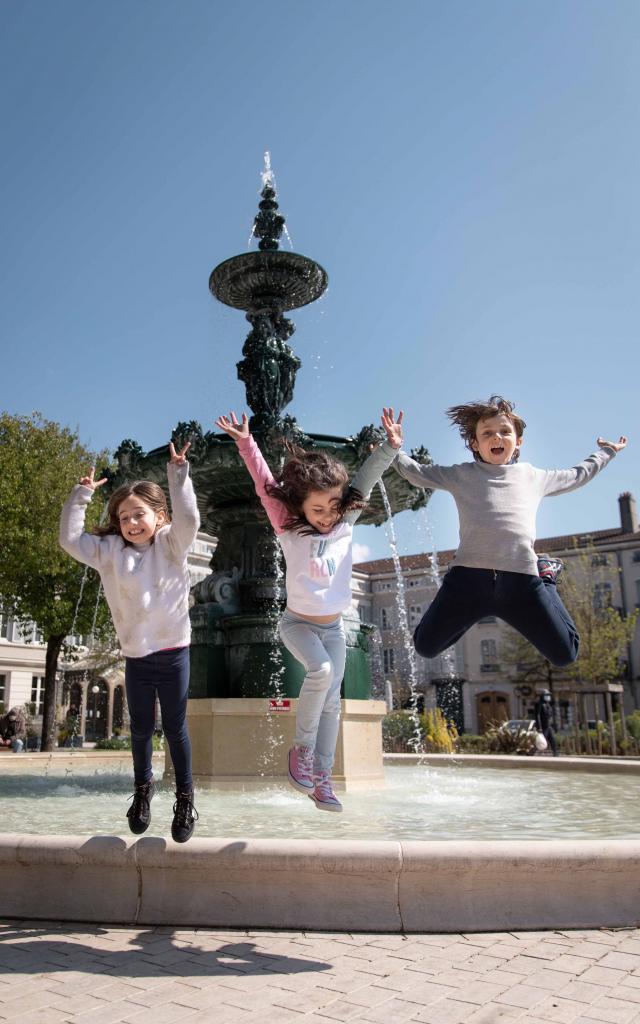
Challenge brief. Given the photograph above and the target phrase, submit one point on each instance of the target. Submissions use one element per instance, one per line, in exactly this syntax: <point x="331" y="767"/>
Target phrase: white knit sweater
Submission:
<point x="146" y="585"/>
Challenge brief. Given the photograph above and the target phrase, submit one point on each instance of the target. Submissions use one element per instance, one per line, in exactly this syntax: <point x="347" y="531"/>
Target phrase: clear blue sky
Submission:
<point x="467" y="172"/>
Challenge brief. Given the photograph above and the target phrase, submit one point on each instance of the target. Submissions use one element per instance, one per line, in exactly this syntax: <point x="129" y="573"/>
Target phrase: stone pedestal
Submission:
<point x="236" y="738"/>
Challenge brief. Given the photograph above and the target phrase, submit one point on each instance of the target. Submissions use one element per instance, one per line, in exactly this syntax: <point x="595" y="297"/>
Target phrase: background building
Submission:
<point x="469" y="681"/>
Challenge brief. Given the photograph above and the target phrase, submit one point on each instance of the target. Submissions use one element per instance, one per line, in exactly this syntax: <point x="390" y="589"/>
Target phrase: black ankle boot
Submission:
<point x="139" y="814"/>
<point x="184" y="817"/>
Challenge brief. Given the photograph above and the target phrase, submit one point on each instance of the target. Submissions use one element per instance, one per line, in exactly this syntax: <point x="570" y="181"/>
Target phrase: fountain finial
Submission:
<point x="268" y="223"/>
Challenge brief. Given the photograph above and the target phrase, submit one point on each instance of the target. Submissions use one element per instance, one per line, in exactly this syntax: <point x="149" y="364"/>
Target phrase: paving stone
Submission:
<point x="447" y="1011"/>
<point x="44" y="1015"/>
<point x="624" y="991"/>
<point x="395" y="1011"/>
<point x="505" y="977"/>
<point x="372" y="995"/>
<point x="521" y="995"/>
<point x="493" y="1013"/>
<point x="554" y="1008"/>
<point x="621" y="961"/>
<point x="549" y="978"/>
<point x="479" y="992"/>
<point x="164" y="1014"/>
<point x="581" y="991"/>
<point x="606" y="976"/>
<point x="341" y="1010"/>
<point x="613" y="1009"/>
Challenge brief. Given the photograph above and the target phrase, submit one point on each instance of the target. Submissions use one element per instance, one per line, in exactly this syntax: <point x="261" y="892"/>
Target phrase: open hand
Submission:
<point x="178" y="458"/>
<point x="88" y="481"/>
<point x="232" y="427"/>
<point x="616" y="445"/>
<point x="393" y="427"/>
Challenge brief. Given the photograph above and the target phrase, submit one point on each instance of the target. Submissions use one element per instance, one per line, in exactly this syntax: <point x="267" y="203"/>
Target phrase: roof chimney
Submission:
<point x="628" y="513"/>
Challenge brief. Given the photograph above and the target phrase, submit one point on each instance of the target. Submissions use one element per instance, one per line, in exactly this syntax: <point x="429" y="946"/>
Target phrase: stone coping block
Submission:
<point x="327" y="885"/>
<point x="627" y="766"/>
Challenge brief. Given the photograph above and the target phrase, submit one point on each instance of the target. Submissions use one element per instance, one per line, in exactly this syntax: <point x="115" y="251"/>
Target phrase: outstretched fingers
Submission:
<point x="178" y="458"/>
<point x="233" y="426"/>
<point x="88" y="481"/>
<point x="616" y="445"/>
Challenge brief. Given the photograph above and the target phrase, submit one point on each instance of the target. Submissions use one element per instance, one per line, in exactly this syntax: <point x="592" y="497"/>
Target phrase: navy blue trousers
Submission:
<point x="529" y="604"/>
<point x="167" y="674"/>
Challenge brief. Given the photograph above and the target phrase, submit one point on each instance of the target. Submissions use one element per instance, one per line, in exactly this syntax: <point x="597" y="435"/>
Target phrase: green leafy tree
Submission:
<point x="587" y="588"/>
<point x="40" y="461"/>
<point x="605" y="633"/>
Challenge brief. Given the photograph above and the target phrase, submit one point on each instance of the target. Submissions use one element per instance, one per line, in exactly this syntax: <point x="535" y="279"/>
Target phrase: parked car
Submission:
<point x="520" y="725"/>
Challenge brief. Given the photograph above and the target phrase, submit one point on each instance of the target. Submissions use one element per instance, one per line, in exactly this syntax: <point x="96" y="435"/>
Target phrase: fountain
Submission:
<point x="240" y="676"/>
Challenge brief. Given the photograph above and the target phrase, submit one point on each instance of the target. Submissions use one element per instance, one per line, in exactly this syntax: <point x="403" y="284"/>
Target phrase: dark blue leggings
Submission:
<point x="529" y="604"/>
<point x="167" y="674"/>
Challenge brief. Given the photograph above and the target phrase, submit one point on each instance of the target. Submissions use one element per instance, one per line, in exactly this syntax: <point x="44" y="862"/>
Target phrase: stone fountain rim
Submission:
<point x="375" y="886"/>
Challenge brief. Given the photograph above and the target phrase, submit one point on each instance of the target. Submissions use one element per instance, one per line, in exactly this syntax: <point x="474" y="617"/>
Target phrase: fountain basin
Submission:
<point x="344" y="876"/>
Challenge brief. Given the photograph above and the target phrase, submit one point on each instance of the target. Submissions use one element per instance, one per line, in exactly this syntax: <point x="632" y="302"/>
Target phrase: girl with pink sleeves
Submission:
<point x="312" y="508"/>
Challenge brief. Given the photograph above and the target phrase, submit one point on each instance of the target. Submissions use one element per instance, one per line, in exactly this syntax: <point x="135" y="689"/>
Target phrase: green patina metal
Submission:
<point x="234" y="648"/>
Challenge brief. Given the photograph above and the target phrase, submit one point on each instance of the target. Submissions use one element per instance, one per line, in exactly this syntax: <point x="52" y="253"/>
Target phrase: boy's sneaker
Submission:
<point x="549" y="568"/>
<point x="184" y="817"/>
<point x="301" y="768"/>
<point x="139" y="814"/>
<point x="323" y="796"/>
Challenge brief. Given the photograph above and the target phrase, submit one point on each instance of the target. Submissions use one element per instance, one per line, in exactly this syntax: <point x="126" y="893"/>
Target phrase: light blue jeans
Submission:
<point x="322" y="649"/>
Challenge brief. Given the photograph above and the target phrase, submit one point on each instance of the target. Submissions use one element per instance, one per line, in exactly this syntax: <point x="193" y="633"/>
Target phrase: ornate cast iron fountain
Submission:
<point x="234" y="640"/>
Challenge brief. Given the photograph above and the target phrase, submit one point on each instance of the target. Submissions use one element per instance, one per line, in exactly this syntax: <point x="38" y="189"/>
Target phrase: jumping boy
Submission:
<point x="496" y="570"/>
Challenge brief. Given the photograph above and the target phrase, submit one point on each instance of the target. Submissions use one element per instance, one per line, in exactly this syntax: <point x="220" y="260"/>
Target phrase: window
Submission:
<point x="388" y="659"/>
<point x="3" y="686"/>
<point x="415" y="614"/>
<point x="637" y="593"/>
<point x="488" y="619"/>
<point x="364" y="613"/>
<point x="385" y="618"/>
<point x="30" y="634"/>
<point x="488" y="656"/>
<point x="600" y="560"/>
<point x="4" y="625"/>
<point x="636" y="556"/>
<point x="37" y="693"/>
<point x="602" y="596"/>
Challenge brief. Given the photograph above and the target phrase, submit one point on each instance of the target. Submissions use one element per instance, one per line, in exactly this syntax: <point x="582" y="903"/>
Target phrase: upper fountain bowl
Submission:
<point x="268" y="280"/>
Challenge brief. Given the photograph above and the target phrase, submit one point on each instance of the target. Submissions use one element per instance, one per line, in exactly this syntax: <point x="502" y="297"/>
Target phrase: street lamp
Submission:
<point x="95" y="689"/>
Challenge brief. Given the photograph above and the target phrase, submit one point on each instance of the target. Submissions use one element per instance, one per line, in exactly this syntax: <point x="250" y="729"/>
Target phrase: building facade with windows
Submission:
<point x="470" y="677"/>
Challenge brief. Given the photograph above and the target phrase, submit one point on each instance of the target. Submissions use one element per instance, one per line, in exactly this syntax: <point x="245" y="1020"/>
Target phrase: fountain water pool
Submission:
<point x="417" y="802"/>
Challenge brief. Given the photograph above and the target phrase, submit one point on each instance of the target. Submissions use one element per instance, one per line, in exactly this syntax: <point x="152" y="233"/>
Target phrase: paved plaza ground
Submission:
<point x="52" y="973"/>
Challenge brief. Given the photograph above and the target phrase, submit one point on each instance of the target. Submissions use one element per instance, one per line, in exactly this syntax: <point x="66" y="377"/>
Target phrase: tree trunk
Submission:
<point x="54" y="646"/>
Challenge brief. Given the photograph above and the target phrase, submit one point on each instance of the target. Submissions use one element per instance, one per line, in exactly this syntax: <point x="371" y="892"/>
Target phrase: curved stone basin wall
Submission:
<point x="328" y="885"/>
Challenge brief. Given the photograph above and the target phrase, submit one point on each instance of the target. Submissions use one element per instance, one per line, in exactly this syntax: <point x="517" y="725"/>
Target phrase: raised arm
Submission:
<point x="371" y="470"/>
<point x="185" y="518"/>
<point x="255" y="462"/>
<point x="84" y="547"/>
<point x="560" y="481"/>
<point x="434" y="477"/>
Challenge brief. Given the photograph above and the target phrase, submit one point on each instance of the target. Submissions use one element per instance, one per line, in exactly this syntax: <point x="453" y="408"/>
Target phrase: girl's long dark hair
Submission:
<point x="152" y="495"/>
<point x="311" y="471"/>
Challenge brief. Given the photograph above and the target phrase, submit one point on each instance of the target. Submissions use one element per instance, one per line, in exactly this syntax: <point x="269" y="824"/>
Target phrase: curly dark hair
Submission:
<point x="311" y="471"/>
<point x="466" y="417"/>
<point x="152" y="495"/>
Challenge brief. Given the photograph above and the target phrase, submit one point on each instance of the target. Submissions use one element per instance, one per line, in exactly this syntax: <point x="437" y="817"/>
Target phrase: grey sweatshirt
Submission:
<point x="146" y="585"/>
<point x="497" y="505"/>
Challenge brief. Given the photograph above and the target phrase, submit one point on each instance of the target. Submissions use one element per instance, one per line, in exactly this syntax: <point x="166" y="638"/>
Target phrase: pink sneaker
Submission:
<point x="323" y="796"/>
<point x="300" y="768"/>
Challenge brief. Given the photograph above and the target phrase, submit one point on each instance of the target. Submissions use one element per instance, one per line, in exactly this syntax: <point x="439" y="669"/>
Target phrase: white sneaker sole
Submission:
<point x="322" y="806"/>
